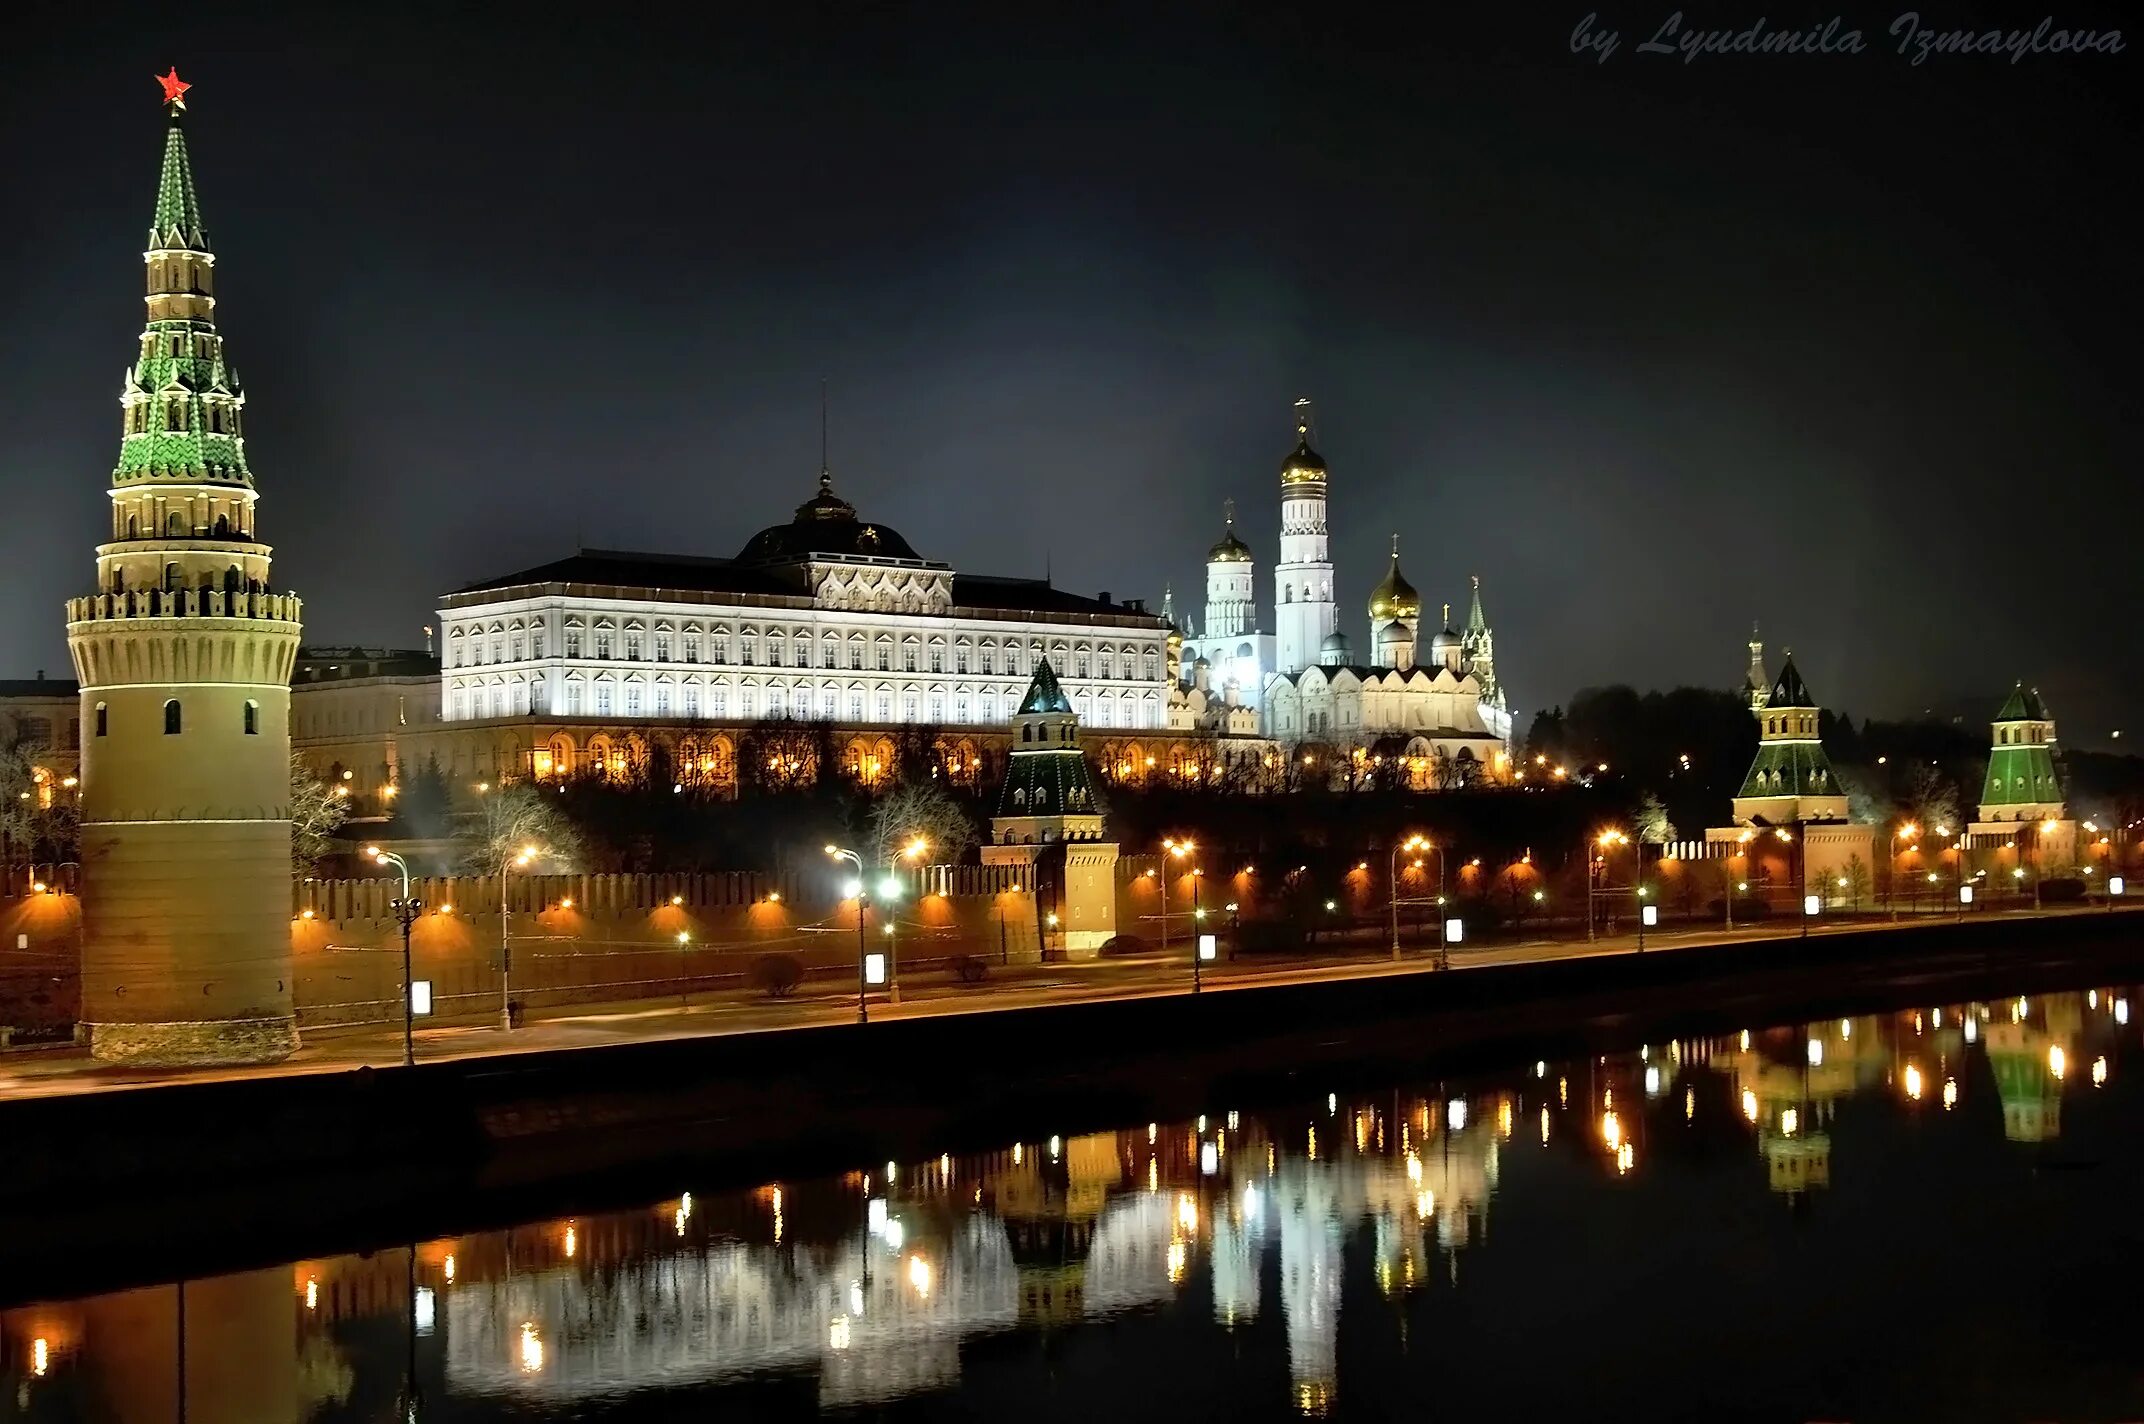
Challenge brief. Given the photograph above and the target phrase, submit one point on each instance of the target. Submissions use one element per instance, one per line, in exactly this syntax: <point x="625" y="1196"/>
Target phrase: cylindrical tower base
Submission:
<point x="186" y="954"/>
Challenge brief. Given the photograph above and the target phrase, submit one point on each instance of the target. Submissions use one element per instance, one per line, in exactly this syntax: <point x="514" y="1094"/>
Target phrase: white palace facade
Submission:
<point x="827" y="619"/>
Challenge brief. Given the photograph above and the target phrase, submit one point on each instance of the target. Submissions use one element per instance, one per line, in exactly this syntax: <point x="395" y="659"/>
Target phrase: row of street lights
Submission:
<point x="875" y="969"/>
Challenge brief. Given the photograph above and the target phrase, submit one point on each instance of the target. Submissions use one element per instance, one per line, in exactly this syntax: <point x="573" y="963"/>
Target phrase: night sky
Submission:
<point x="1838" y="343"/>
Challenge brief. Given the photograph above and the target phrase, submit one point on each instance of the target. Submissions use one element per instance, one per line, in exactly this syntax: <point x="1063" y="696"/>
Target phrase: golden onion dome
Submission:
<point x="1394" y="597"/>
<point x="1230" y="550"/>
<point x="1303" y="465"/>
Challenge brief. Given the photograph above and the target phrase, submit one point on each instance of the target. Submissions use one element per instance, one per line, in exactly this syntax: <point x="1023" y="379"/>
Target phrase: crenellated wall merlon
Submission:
<point x="185" y="603"/>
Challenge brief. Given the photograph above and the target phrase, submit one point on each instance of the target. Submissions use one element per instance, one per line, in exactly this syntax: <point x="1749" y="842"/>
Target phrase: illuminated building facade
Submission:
<point x="1437" y="707"/>
<point x="184" y="657"/>
<point x="828" y="618"/>
<point x="1791" y="792"/>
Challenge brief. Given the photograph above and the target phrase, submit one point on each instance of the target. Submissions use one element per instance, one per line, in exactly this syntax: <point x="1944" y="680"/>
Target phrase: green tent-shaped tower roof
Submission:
<point x="1043" y="693"/>
<point x="178" y="207"/>
<point x="1790" y="690"/>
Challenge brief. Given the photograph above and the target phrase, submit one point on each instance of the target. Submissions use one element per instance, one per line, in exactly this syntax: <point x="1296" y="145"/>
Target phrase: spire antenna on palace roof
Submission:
<point x="174" y="90"/>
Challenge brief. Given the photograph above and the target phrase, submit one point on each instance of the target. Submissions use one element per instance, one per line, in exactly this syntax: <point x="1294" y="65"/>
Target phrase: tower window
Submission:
<point x="253" y="718"/>
<point x="103" y="719"/>
<point x="171" y="718"/>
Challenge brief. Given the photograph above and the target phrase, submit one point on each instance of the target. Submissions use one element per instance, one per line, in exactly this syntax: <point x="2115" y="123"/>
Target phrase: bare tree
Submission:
<point x="513" y="818"/>
<point x="925" y="810"/>
<point x="1653" y="825"/>
<point x="1933" y="797"/>
<point x="316" y="814"/>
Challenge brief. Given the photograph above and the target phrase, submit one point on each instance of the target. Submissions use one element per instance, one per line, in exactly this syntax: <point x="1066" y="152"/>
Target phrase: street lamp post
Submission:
<point x="1905" y="833"/>
<point x="1412" y="843"/>
<point x="1180" y="850"/>
<point x="1606" y="839"/>
<point x="406" y="911"/>
<point x="863" y="900"/>
<point x="506" y="952"/>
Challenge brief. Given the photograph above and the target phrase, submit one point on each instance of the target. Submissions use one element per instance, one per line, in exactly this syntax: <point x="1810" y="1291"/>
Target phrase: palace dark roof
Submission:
<point x="658" y="573"/>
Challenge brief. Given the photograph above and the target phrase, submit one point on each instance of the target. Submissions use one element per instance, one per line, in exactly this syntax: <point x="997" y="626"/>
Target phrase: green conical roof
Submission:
<point x="2023" y="705"/>
<point x="1790" y="690"/>
<point x="1476" y="623"/>
<point x="178" y="207"/>
<point x="180" y="357"/>
<point x="1044" y="694"/>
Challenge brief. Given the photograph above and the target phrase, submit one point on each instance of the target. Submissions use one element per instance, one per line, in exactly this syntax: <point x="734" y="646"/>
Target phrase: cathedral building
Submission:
<point x="1436" y="705"/>
<point x="184" y="656"/>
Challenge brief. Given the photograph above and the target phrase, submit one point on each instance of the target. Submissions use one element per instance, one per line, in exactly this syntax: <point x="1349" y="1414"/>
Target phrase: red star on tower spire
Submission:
<point x="174" y="89"/>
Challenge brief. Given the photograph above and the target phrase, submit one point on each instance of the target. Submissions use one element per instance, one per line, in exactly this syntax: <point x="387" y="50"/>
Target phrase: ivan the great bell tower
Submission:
<point x="184" y="654"/>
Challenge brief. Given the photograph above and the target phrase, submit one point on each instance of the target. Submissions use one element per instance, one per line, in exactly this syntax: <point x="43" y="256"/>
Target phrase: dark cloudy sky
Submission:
<point x="1841" y="344"/>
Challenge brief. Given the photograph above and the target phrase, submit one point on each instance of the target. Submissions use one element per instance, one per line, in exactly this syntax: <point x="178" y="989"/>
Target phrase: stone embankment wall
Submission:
<point x="575" y="939"/>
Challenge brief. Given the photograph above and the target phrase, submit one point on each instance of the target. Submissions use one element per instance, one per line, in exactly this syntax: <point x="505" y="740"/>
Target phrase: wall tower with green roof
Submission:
<point x="184" y="654"/>
<point x="1790" y="780"/>
<point x="2021" y="784"/>
<point x="1050" y="818"/>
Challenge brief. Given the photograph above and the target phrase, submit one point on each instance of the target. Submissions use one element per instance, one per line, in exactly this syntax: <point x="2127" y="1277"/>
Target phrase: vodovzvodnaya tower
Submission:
<point x="184" y="654"/>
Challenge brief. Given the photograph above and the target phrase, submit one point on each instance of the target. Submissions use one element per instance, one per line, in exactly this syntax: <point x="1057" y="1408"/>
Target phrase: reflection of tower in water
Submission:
<point x="2030" y="1061"/>
<point x="1789" y="1083"/>
<point x="1440" y="1184"/>
<point x="216" y="1351"/>
<point x="1048" y="1203"/>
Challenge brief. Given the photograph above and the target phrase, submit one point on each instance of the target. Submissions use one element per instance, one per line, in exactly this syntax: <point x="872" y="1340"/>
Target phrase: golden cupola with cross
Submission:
<point x="184" y="656"/>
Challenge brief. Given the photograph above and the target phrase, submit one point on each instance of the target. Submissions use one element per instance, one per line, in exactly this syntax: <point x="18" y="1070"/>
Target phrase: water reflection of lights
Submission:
<point x="1611" y="1129"/>
<point x="1972" y="1029"/>
<point x="1816" y="1053"/>
<point x="573" y="1242"/>
<point x="1187" y="1212"/>
<point x="1455" y="1114"/>
<point x="1209" y="1159"/>
<point x="1503" y="1117"/>
<point x="1913" y="1082"/>
<point x="1544" y="1127"/>
<point x="2057" y="1063"/>
<point x="1425" y="1205"/>
<point x="448" y="1268"/>
<point x="1626" y="1157"/>
<point x="531" y="1349"/>
<point x="2121" y="1011"/>
<point x="1176" y="1259"/>
<point x="919" y="1276"/>
<point x="1790" y="1120"/>
<point x="1950" y="1094"/>
<point x="312" y="1293"/>
<point x="40" y="1356"/>
<point x="1749" y="1105"/>
<point x="2099" y="1071"/>
<point x="837" y="1333"/>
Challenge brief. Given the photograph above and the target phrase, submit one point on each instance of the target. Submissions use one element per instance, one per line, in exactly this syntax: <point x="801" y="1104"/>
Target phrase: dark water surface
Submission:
<point x="1928" y="1214"/>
